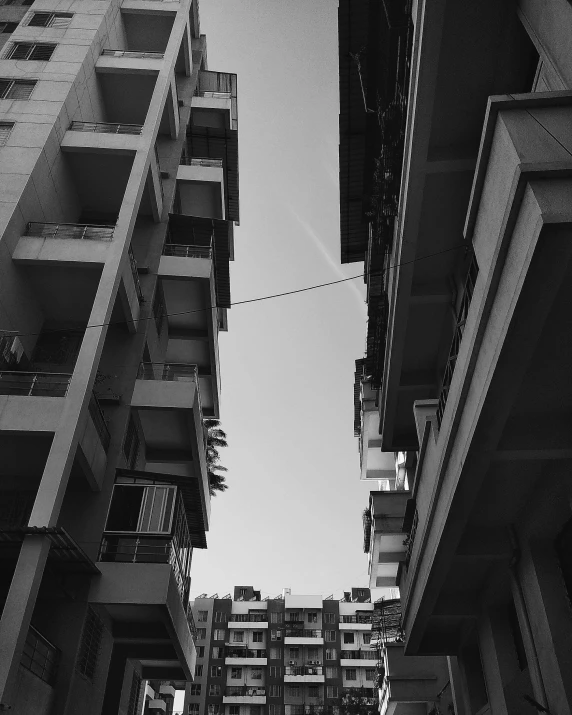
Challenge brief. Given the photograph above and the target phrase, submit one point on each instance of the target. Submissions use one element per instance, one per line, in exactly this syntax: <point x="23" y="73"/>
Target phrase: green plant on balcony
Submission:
<point x="358" y="701"/>
<point x="216" y="438"/>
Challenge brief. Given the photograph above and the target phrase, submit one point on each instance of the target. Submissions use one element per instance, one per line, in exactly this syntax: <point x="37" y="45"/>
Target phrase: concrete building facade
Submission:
<point x="290" y="655"/>
<point x="455" y="188"/>
<point x="118" y="198"/>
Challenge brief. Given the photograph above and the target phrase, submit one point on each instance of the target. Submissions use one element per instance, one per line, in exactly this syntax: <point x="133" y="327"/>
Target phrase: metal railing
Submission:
<point x="135" y="272"/>
<point x="303" y="670"/>
<point x="169" y="371"/>
<point x="133" y="55"/>
<point x="82" y="231"/>
<point x="34" y="384"/>
<point x="464" y="306"/>
<point x="183" y="251"/>
<point x="358" y="655"/>
<point x="234" y="652"/>
<point x="241" y="691"/>
<point x="99" y="422"/>
<point x="248" y="617"/>
<point x="40" y="656"/>
<point x="106" y="128"/>
<point x="208" y="94"/>
<point x="201" y="161"/>
<point x="355" y="619"/>
<point x="302" y="633"/>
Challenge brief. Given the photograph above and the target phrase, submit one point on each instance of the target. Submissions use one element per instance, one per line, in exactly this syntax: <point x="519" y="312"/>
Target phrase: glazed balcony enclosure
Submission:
<point x="244" y="695"/>
<point x="145" y="562"/>
<point x="385" y="536"/>
<point x="304" y="674"/>
<point x="233" y="655"/>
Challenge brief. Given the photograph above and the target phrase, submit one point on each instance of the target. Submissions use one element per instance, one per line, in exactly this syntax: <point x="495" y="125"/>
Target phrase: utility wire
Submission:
<point x="14" y="334"/>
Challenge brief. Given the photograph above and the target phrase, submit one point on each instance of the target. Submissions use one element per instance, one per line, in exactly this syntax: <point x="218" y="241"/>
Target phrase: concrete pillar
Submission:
<point x="550" y="621"/>
<point x="497" y="656"/>
<point x="18" y="611"/>
<point x="456" y="685"/>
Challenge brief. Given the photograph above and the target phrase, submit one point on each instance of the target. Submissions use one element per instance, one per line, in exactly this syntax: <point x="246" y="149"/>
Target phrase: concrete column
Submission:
<point x="456" y="685"/>
<point x="18" y="611"/>
<point x="497" y="656"/>
<point x="546" y="601"/>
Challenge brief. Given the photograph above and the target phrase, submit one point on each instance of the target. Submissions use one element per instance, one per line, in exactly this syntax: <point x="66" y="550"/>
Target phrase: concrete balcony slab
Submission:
<point x="107" y="64"/>
<point x="246" y="661"/>
<point x="245" y="699"/>
<point x="66" y="252"/>
<point x="20" y="413"/>
<point x="292" y="640"/>
<point x="304" y="679"/>
<point x="248" y="625"/>
<point x="100" y="142"/>
<point x="150" y="7"/>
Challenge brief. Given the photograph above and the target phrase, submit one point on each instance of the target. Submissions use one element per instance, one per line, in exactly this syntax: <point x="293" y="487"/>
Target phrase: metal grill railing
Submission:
<point x="200" y="161"/>
<point x="244" y="691"/>
<point x="248" y="617"/>
<point x="235" y="652"/>
<point x="303" y="670"/>
<point x="135" y="272"/>
<point x="99" y="422"/>
<point x="170" y="371"/>
<point x="82" y="231"/>
<point x="34" y="384"/>
<point x="106" y="128"/>
<point x="134" y="55"/>
<point x="40" y="656"/>
<point x="207" y="94"/>
<point x="183" y="251"/>
<point x="302" y="633"/>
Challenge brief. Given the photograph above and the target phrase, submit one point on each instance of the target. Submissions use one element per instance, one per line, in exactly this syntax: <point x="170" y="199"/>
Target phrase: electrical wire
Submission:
<point x="272" y="296"/>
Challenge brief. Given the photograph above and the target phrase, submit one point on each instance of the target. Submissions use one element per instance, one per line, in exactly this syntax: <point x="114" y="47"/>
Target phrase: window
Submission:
<point x="255" y="710"/>
<point x="329" y="617"/>
<point x="331" y="672"/>
<point x="275" y="635"/>
<point x="58" y="20"/>
<point x="313" y="691"/>
<point x="330" y="636"/>
<point x="295" y="616"/>
<point x="142" y="509"/>
<point x="366" y="638"/>
<point x="7" y="28"/>
<point x="214" y="689"/>
<point x="194" y="708"/>
<point x="294" y="653"/>
<point x="257" y="636"/>
<point x="5" y="129"/>
<point x="220" y="617"/>
<point x="332" y="691"/>
<point x="234" y="710"/>
<point x="16" y="88"/>
<point x="238" y="636"/>
<point x="218" y="652"/>
<point x="30" y="51"/>
<point x="90" y="644"/>
<point x="275" y="654"/>
<point x="351" y="674"/>
<point x="361" y="593"/>
<point x="275" y="617"/>
<point x="256" y="673"/>
<point x="293" y="691"/>
<point x="201" y="634"/>
<point x="349" y="637"/>
<point x="200" y="651"/>
<point x="202" y="616"/>
<point x="40" y="656"/>
<point x="216" y="671"/>
<point x="195" y="689"/>
<point x="274" y="709"/>
<point x="213" y="708"/>
<point x="314" y="654"/>
<point x="218" y="634"/>
<point x="331" y="654"/>
<point x="236" y="673"/>
<point x="275" y="691"/>
<point x="275" y="671"/>
<point x="370" y="673"/>
<point x="198" y="671"/>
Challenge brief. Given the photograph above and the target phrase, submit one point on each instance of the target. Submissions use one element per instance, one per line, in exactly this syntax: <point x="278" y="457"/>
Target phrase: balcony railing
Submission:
<point x="40" y="656"/>
<point x="200" y="161"/>
<point x="34" y="384"/>
<point x="465" y="303"/>
<point x="303" y="670"/>
<point x="387" y="626"/>
<point x="82" y="231"/>
<point x="134" y="55"/>
<point x="208" y="94"/>
<point x="99" y="422"/>
<point x="248" y="617"/>
<point x="234" y="652"/>
<point x="191" y="622"/>
<point x="241" y="691"/>
<point x="303" y="633"/>
<point x="169" y="371"/>
<point x="135" y="272"/>
<point x="358" y="655"/>
<point x="355" y="619"/>
<point x="183" y="251"/>
<point x="106" y="128"/>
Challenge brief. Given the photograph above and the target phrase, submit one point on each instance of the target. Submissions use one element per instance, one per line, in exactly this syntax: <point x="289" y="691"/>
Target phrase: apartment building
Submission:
<point x="118" y="199"/>
<point x="289" y="655"/>
<point x="454" y="164"/>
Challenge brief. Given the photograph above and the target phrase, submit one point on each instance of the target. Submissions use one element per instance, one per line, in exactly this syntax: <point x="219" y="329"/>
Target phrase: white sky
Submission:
<point x="292" y="514"/>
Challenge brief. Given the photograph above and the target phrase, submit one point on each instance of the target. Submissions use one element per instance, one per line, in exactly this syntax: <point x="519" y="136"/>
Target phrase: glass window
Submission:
<point x="293" y="691"/>
<point x="31" y="51"/>
<point x="351" y="674"/>
<point x="195" y="688"/>
<point x="366" y="638"/>
<point x="218" y="652"/>
<point x="216" y="671"/>
<point x="16" y="89"/>
<point x="220" y="617"/>
<point x="257" y="636"/>
<point x="331" y="672"/>
<point x="329" y="617"/>
<point x="238" y="636"/>
<point x="214" y="689"/>
<point x="234" y="710"/>
<point x="198" y="671"/>
<point x="213" y="709"/>
<point x="312" y="617"/>
<point x="330" y="636"/>
<point x="275" y="691"/>
<point x="202" y="616"/>
<point x="201" y="634"/>
<point x="370" y="673"/>
<point x="194" y="708"/>
<point x="200" y="651"/>
<point x="275" y="653"/>
<point x="331" y="654"/>
<point x="256" y="673"/>
<point x="5" y="129"/>
<point x="349" y="637"/>
<point x="332" y="691"/>
<point x="275" y="635"/>
<point x="219" y="634"/>
<point x="236" y="673"/>
<point x="313" y="691"/>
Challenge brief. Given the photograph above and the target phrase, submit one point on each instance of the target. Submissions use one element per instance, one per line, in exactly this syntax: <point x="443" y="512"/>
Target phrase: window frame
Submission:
<point x="4" y="136"/>
<point x="32" y="49"/>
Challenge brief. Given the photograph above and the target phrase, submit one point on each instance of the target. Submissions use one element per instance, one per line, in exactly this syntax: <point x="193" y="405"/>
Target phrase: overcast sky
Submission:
<point x="292" y="514"/>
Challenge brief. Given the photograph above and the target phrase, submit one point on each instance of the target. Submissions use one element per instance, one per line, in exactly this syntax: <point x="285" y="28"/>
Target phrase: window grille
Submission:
<point x="40" y="656"/>
<point x="196" y="689"/>
<point x="90" y="644"/>
<point x="5" y="129"/>
<point x="16" y="88"/>
<point x="30" y="51"/>
<point x="57" y="20"/>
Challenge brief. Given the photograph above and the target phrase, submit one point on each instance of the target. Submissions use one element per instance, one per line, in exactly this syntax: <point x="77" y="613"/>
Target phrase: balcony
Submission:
<point x="198" y="161"/>
<point x="385" y="536"/>
<point x="106" y="128"/>
<point x="76" y="231"/>
<point x="304" y="674"/>
<point x="217" y="92"/>
<point x="34" y="384"/>
<point x="355" y="623"/>
<point x="133" y="55"/>
<point x="244" y="656"/>
<point x="184" y="251"/>
<point x="303" y="636"/>
<point x="244" y="695"/>
<point x="83" y="246"/>
<point x="248" y="621"/>
<point x="357" y="658"/>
